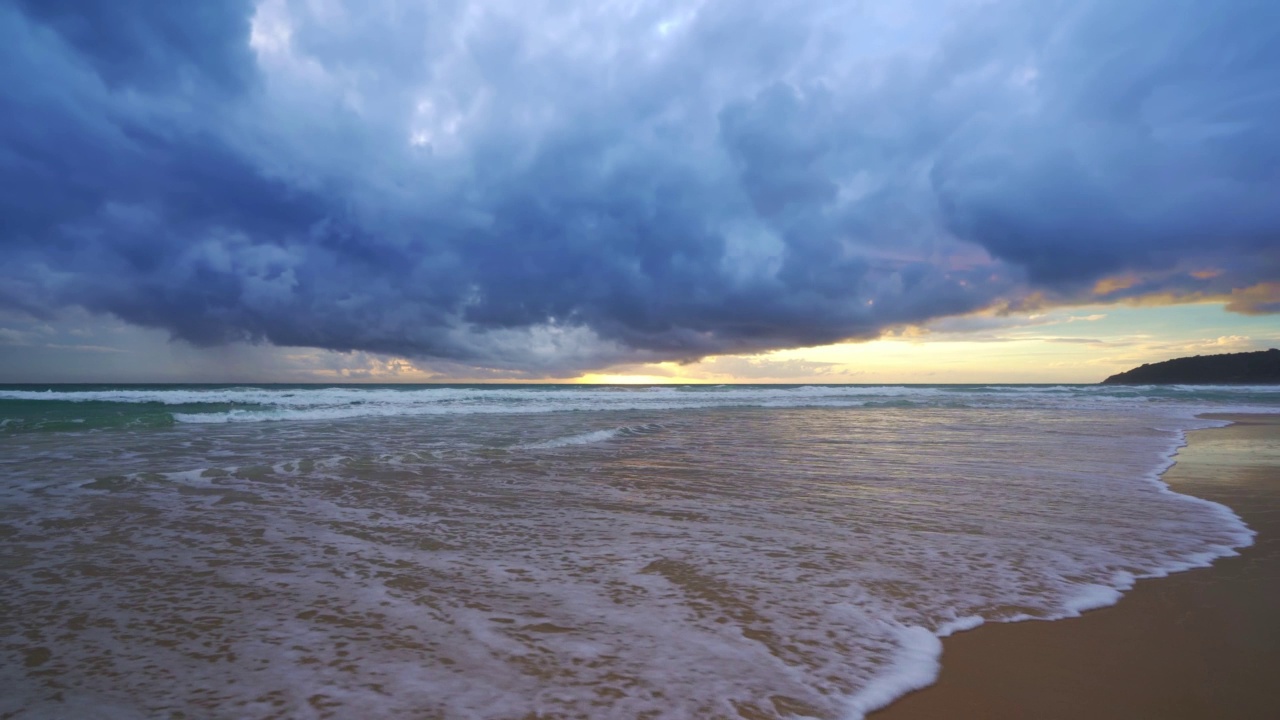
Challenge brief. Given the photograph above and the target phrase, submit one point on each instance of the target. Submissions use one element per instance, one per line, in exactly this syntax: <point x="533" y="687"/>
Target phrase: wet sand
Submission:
<point x="1200" y="644"/>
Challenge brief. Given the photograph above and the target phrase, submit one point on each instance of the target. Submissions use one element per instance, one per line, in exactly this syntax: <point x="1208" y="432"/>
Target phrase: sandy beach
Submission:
<point x="1200" y="644"/>
<point x="613" y="553"/>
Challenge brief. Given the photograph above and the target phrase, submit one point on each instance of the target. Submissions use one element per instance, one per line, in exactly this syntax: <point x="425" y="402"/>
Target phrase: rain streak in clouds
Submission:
<point x="548" y="187"/>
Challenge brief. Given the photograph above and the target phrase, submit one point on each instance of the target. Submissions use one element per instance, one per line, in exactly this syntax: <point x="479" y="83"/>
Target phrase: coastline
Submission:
<point x="732" y="530"/>
<point x="1193" y="645"/>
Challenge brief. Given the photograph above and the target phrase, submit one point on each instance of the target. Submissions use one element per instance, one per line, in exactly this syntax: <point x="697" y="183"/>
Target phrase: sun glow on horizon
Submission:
<point x="1069" y="345"/>
<point x="1064" y="345"/>
<point x="667" y="373"/>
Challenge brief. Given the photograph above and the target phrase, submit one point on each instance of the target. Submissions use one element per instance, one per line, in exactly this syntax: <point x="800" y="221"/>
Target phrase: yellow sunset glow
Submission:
<point x="1076" y="345"/>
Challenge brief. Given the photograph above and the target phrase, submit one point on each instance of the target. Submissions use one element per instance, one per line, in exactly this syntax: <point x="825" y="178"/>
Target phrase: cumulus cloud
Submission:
<point x="547" y="187"/>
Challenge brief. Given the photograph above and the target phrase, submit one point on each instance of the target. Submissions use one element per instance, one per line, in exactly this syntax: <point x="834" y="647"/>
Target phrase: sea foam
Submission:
<point x="757" y="550"/>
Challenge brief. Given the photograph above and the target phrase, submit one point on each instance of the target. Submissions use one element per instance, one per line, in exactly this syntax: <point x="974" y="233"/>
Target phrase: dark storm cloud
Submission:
<point x="150" y="44"/>
<point x="552" y="188"/>
<point x="1148" y="146"/>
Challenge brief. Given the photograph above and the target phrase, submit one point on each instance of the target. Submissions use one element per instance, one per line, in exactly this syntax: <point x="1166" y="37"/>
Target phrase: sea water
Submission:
<point x="539" y="552"/>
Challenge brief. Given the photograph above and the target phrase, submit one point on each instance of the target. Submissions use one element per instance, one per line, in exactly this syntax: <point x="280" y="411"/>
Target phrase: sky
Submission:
<point x="634" y="190"/>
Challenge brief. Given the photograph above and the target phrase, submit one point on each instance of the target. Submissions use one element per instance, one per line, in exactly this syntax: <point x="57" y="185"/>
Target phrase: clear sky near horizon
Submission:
<point x="641" y="191"/>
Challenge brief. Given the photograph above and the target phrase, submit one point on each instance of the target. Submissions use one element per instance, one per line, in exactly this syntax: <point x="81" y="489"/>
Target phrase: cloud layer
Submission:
<point x="551" y="187"/>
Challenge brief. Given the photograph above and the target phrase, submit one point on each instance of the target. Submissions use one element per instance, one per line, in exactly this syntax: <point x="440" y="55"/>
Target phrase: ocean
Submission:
<point x="506" y="551"/>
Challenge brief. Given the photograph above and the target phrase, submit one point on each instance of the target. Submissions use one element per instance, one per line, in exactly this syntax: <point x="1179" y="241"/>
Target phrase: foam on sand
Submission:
<point x="709" y="562"/>
<point x="914" y="666"/>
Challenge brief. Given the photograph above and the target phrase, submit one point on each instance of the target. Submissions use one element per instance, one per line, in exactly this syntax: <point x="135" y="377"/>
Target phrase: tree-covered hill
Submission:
<point x="1247" y="368"/>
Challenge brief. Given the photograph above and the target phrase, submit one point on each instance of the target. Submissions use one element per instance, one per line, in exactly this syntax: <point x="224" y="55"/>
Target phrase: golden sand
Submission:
<point x="1203" y="644"/>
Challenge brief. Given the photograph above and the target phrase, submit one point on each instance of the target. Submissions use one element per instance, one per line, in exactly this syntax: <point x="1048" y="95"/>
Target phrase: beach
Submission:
<point x="1195" y="645"/>
<point x="613" y="552"/>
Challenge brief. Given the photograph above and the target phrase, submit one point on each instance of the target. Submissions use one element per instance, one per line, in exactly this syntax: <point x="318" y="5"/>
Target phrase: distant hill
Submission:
<point x="1247" y="368"/>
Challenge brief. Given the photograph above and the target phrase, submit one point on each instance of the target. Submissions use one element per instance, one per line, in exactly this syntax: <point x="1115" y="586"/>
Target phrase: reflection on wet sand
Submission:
<point x="755" y="563"/>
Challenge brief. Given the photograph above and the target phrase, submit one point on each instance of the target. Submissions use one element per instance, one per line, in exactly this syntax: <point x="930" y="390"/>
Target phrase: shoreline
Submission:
<point x="1201" y="643"/>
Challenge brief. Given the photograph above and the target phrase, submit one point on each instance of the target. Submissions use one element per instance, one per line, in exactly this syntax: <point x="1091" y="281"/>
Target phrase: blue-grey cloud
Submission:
<point x="554" y="186"/>
<point x="150" y="45"/>
<point x="1143" y="144"/>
